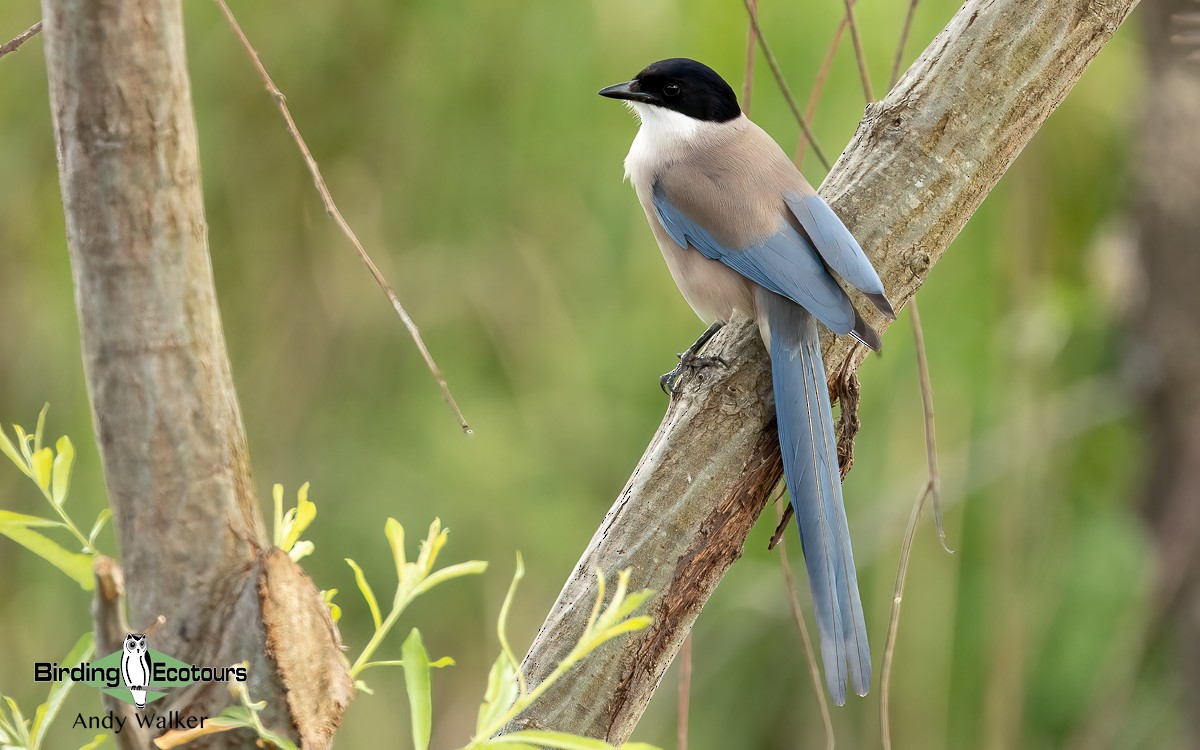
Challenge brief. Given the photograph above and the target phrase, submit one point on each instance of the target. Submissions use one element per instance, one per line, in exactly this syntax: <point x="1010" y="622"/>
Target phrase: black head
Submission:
<point x="685" y="86"/>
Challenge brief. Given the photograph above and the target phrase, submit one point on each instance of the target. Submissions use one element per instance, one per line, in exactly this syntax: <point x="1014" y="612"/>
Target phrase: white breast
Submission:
<point x="712" y="289"/>
<point x="662" y="134"/>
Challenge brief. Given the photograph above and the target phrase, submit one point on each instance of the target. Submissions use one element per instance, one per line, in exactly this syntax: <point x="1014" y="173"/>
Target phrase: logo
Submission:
<point x="138" y="675"/>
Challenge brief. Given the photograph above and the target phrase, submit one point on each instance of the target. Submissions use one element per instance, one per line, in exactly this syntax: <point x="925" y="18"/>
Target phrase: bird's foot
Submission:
<point x="689" y="360"/>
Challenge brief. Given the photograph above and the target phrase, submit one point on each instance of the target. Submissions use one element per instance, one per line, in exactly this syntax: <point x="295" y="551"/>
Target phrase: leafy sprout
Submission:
<point x="508" y="694"/>
<point x="18" y="734"/>
<point x="413" y="579"/>
<point x="50" y="469"/>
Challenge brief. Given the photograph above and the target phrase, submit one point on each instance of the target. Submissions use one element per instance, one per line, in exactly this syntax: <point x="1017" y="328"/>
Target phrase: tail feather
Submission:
<point x="809" y="447"/>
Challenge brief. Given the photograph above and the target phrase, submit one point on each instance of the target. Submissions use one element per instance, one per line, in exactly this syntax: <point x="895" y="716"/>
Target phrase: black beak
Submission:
<point x="629" y="91"/>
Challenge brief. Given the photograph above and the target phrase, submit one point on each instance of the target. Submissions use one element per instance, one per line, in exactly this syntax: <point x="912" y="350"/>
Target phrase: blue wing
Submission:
<point x="838" y="247"/>
<point x="785" y="263"/>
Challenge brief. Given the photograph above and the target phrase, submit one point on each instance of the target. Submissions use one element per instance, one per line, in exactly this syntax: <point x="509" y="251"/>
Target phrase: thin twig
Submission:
<point x="908" y="19"/>
<point x="932" y="488"/>
<point x="782" y="82"/>
<point x="889" y="648"/>
<point x="685" y="693"/>
<point x="13" y="44"/>
<point x="859" y="56"/>
<point x="335" y="214"/>
<point x="819" y="87"/>
<point x="748" y="81"/>
<point x="935" y="475"/>
<point x="798" y="616"/>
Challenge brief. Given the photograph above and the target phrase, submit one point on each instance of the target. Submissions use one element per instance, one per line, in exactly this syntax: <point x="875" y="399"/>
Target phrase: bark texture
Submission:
<point x="1164" y="338"/>
<point x="920" y="163"/>
<point x="166" y="415"/>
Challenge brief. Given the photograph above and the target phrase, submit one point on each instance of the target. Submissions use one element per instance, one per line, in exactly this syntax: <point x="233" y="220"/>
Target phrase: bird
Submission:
<point x="742" y="231"/>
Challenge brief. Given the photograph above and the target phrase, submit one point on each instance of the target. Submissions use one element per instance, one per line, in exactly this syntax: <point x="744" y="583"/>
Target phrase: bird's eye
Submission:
<point x="671" y="89"/>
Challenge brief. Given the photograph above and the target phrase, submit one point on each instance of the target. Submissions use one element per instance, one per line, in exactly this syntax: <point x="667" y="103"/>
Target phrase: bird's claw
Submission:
<point x="672" y="381"/>
<point x="691" y="360"/>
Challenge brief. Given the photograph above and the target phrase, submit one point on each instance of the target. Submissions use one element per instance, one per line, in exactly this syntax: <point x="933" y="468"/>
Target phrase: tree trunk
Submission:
<point x="919" y="165"/>
<point x="1163" y="325"/>
<point x="166" y="415"/>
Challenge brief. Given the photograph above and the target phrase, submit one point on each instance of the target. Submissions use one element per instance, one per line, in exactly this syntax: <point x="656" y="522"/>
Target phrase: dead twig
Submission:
<point x="14" y="44"/>
<point x="335" y="214"/>
<point x="859" y="56"/>
<point x="782" y="82"/>
<point x="802" y="626"/>
<point x="819" y="87"/>
<point x="932" y="489"/>
<point x="748" y="80"/>
<point x="685" y="693"/>
<point x="908" y="19"/>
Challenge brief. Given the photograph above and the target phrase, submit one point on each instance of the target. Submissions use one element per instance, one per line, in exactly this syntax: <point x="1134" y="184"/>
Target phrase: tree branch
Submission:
<point x="14" y="44"/>
<point x="166" y="415"/>
<point x="920" y="163"/>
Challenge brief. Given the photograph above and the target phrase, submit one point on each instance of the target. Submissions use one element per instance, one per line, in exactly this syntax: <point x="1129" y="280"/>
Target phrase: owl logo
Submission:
<point x="135" y="667"/>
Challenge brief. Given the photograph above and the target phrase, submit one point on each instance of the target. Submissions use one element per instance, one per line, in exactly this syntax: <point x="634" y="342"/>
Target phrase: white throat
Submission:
<point x="662" y="133"/>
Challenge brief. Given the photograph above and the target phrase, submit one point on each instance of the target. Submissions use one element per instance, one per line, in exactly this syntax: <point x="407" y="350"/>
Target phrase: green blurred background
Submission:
<point x="465" y="143"/>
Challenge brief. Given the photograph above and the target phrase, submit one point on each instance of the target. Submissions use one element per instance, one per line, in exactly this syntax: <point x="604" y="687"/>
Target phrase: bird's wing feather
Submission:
<point x="784" y="262"/>
<point x="837" y="246"/>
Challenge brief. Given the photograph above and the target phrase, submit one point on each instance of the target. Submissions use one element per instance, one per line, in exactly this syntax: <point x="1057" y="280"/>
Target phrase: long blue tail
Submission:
<point x="810" y="465"/>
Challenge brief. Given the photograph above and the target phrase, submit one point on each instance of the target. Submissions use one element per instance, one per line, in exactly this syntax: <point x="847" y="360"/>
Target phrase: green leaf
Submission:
<point x="40" y="429"/>
<point x="362" y="687"/>
<point x="395" y="536"/>
<point x="61" y="470"/>
<point x="499" y="744"/>
<point x="43" y="465"/>
<point x="17" y="727"/>
<point x="502" y="620"/>
<point x="8" y="516"/>
<point x="23" y="444"/>
<point x="633" y="601"/>
<point x="101" y="519"/>
<point x="77" y="566"/>
<point x="501" y="693"/>
<point x="305" y="513"/>
<point x="625" y="626"/>
<point x="7" y="734"/>
<point x="432" y="546"/>
<point x="416" y="683"/>
<point x="557" y="740"/>
<point x="301" y="550"/>
<point x="95" y="743"/>
<point x="277" y="496"/>
<point x="367" y="593"/>
<point x="46" y="713"/>
<point x="335" y="612"/>
<point x="10" y="450"/>
<point x="231" y="718"/>
<point x="560" y="741"/>
<point x="473" y="567"/>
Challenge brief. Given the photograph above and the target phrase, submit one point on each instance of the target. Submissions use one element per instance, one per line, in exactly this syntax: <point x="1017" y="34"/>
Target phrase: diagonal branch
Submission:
<point x="335" y="213"/>
<point x="921" y="162"/>
<point x="12" y="45"/>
